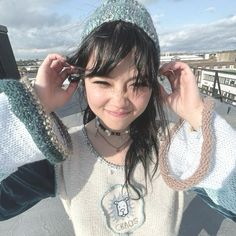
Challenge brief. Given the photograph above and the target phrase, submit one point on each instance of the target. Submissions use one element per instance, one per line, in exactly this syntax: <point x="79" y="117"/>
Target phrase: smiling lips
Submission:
<point x="118" y="114"/>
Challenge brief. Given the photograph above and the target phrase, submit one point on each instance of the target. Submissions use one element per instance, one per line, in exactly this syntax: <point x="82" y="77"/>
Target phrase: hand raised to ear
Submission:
<point x="185" y="99"/>
<point x="48" y="84"/>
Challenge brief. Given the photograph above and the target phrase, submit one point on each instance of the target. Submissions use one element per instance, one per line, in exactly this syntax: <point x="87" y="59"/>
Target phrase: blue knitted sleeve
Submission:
<point x="28" y="134"/>
<point x="26" y="187"/>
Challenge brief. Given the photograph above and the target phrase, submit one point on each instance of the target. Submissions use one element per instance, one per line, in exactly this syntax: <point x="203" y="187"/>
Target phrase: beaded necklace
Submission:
<point x="109" y="132"/>
<point x="117" y="148"/>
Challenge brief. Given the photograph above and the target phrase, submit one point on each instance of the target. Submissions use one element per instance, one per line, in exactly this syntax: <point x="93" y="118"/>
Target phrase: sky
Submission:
<point x="39" y="27"/>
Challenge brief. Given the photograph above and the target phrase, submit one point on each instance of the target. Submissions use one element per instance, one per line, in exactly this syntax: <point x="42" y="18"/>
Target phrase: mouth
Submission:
<point x="118" y="114"/>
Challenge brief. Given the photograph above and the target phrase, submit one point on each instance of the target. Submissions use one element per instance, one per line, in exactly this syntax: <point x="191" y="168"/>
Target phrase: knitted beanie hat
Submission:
<point x="125" y="10"/>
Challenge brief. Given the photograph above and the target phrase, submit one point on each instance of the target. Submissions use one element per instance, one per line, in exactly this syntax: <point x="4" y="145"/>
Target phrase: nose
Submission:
<point x="119" y="92"/>
<point x="120" y="97"/>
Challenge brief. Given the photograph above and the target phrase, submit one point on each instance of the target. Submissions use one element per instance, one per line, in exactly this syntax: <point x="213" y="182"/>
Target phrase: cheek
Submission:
<point x="141" y="101"/>
<point x="95" y="97"/>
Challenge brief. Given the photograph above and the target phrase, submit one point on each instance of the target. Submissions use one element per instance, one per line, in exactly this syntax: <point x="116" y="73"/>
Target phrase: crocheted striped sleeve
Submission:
<point x="28" y="134"/>
<point x="204" y="161"/>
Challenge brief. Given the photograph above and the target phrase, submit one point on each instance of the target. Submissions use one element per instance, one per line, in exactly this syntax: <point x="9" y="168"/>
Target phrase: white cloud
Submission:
<point x="36" y="43"/>
<point x="33" y="13"/>
<point x="35" y="31"/>
<point x="218" y="35"/>
<point x="210" y="9"/>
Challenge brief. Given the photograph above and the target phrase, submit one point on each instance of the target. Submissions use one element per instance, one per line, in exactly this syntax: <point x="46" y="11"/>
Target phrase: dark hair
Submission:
<point x="115" y="40"/>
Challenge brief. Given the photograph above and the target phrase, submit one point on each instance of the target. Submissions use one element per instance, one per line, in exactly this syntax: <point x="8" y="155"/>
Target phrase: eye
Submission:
<point x="102" y="83"/>
<point x="139" y="84"/>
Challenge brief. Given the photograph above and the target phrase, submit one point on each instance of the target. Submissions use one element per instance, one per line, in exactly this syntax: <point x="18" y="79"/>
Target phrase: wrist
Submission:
<point x="38" y="91"/>
<point x="195" y="118"/>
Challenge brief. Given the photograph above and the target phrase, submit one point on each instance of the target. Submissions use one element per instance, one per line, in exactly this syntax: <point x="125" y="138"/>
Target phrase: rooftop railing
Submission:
<point x="215" y="90"/>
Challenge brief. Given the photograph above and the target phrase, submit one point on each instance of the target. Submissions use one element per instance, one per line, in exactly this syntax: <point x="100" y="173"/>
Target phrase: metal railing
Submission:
<point x="216" y="90"/>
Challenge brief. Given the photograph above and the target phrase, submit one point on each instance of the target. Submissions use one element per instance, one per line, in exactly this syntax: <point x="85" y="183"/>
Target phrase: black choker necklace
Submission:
<point x="109" y="132"/>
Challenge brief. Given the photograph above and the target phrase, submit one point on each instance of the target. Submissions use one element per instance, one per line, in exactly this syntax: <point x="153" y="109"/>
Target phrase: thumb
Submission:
<point x="71" y="89"/>
<point x="167" y="97"/>
<point x="164" y="94"/>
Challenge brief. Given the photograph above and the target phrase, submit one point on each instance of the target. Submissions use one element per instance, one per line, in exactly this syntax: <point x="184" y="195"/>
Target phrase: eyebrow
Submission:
<point x="111" y="78"/>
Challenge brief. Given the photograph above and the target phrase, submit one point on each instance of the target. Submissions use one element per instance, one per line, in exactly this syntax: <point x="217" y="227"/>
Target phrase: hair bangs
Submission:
<point x="110" y="43"/>
<point x="146" y="60"/>
<point x="109" y="47"/>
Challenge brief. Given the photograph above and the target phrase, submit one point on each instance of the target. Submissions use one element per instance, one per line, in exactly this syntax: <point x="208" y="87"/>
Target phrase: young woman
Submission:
<point x="124" y="170"/>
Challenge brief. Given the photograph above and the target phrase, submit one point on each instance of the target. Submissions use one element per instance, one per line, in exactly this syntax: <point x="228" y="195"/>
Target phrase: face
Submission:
<point x="113" y="99"/>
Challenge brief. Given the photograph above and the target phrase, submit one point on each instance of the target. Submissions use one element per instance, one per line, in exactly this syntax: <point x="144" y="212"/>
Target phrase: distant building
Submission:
<point x="218" y="83"/>
<point x="180" y="57"/>
<point x="31" y="69"/>
<point x="215" y="72"/>
<point x="216" y="60"/>
<point x="8" y="67"/>
<point x="226" y="56"/>
<point x="213" y="65"/>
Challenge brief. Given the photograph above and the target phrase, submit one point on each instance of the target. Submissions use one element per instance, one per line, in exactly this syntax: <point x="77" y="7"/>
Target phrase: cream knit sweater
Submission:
<point x="90" y="187"/>
<point x="91" y="191"/>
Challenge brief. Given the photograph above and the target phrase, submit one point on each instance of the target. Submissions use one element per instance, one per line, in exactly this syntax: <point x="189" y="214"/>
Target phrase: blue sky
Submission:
<point x="39" y="27"/>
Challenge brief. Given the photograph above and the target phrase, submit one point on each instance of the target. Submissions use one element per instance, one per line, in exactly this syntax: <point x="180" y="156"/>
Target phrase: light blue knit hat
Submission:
<point x="125" y="10"/>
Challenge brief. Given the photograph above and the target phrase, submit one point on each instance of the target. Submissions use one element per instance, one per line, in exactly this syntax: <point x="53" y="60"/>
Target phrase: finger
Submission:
<point x="174" y="66"/>
<point x="65" y="72"/>
<point x="169" y="99"/>
<point x="53" y="61"/>
<point x="51" y="57"/>
<point x="183" y="75"/>
<point x="175" y="85"/>
<point x="165" y="68"/>
<point x="173" y="79"/>
<point x="57" y="65"/>
<point x="71" y="89"/>
<point x="164" y="94"/>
